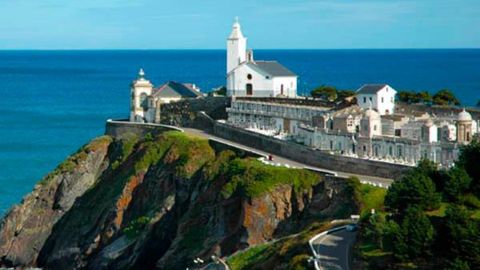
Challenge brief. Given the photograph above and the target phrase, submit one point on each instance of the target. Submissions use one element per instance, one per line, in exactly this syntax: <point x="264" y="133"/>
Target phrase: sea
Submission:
<point x="53" y="102"/>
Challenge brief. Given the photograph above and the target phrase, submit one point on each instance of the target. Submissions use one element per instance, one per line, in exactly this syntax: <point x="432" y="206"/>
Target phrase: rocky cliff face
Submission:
<point x="159" y="203"/>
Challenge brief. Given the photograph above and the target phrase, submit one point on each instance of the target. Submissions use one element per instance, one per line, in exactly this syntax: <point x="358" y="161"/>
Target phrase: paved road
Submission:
<point x="335" y="250"/>
<point x="384" y="182"/>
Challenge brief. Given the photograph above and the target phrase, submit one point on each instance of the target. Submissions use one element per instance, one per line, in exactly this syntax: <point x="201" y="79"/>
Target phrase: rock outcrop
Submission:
<point x="158" y="203"/>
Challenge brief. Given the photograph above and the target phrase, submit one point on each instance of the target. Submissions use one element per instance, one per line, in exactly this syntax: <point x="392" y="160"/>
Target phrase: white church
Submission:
<point x="254" y="78"/>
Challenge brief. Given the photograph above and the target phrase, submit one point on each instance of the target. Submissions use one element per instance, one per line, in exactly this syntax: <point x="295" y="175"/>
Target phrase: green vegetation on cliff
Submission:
<point x="251" y="178"/>
<point x="159" y="201"/>
<point x="432" y="220"/>
<point x="77" y="158"/>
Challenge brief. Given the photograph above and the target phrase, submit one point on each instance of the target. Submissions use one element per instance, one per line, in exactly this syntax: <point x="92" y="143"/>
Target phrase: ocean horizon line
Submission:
<point x="224" y="49"/>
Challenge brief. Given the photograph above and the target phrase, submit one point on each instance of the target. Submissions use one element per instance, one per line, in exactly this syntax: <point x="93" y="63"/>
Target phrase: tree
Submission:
<point x="414" y="189"/>
<point x="445" y="97"/>
<point x="418" y="233"/>
<point x="344" y="94"/>
<point x="325" y="92"/>
<point x="468" y="159"/>
<point x="406" y="96"/>
<point x="462" y="237"/>
<point x="424" y="97"/>
<point x="415" y="97"/>
<point x="430" y="169"/>
<point x="457" y="183"/>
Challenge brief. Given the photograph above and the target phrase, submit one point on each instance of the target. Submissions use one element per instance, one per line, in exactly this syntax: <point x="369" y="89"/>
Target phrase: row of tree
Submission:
<point x="442" y="97"/>
<point x="433" y="216"/>
<point x="330" y="93"/>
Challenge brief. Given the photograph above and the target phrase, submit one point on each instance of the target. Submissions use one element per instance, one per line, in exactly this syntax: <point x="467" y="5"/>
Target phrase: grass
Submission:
<point x="291" y="252"/>
<point x="249" y="258"/>
<point x="127" y="146"/>
<point x="440" y="212"/>
<point x="78" y="157"/>
<point x="251" y="178"/>
<point x="372" y="197"/>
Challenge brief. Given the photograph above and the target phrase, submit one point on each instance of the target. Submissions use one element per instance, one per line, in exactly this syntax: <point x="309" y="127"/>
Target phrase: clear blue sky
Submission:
<point x="204" y="24"/>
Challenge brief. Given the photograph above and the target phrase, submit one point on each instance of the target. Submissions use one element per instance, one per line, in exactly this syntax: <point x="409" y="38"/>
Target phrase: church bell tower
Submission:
<point x="141" y="90"/>
<point x="236" y="47"/>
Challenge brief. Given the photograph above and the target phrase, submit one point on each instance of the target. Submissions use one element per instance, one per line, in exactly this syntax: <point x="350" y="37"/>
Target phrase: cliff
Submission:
<point x="158" y="202"/>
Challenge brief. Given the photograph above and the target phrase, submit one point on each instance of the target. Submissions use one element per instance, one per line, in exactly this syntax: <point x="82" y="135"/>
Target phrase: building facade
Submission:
<point x="380" y="97"/>
<point x="249" y="77"/>
<point x="146" y="101"/>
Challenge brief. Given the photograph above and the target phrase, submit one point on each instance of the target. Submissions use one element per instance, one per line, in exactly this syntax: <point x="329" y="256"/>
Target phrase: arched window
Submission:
<point x="144" y="101"/>
<point x="249" y="76"/>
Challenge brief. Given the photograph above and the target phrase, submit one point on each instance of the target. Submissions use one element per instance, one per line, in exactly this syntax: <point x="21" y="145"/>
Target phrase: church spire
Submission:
<point x="236" y="30"/>
<point x="141" y="74"/>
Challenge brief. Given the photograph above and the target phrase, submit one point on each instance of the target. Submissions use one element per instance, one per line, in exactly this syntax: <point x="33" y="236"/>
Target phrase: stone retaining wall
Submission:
<point x="119" y="128"/>
<point x="304" y="154"/>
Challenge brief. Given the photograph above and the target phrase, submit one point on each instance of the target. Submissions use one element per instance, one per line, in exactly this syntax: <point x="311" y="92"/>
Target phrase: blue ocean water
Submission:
<point x="52" y="102"/>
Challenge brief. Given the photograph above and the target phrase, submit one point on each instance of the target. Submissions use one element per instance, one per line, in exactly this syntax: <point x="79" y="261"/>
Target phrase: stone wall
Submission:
<point x="119" y="128"/>
<point x="184" y="113"/>
<point x="309" y="156"/>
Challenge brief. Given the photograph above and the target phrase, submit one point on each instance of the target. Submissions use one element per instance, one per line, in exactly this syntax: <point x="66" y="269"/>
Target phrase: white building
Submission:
<point x="146" y="101"/>
<point x="380" y="97"/>
<point x="140" y="90"/>
<point x="268" y="115"/>
<point x="249" y="77"/>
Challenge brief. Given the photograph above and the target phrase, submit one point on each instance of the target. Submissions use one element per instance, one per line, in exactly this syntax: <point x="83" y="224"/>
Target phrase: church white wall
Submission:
<point x="237" y="83"/>
<point x="236" y="52"/>
<point x="289" y="86"/>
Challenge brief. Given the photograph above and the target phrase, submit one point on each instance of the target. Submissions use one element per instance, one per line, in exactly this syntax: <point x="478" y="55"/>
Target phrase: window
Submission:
<point x="364" y="99"/>
<point x="382" y="99"/>
<point x="399" y="151"/>
<point x="249" y="89"/>
<point x="331" y="145"/>
<point x="390" y="151"/>
<point x="375" y="127"/>
<point x="249" y="76"/>
<point x="370" y="98"/>
<point x="364" y="148"/>
<point x="281" y="89"/>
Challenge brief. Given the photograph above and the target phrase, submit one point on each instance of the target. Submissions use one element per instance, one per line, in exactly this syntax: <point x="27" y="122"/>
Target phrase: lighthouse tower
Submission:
<point x="236" y="47"/>
<point x="141" y="90"/>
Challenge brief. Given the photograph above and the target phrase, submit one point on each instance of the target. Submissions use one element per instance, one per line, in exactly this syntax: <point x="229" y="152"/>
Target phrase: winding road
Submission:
<point x="334" y="250"/>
